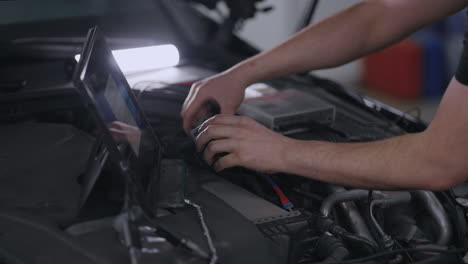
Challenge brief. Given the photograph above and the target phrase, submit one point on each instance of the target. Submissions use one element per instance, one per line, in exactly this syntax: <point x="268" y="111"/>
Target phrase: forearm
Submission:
<point x="402" y="162"/>
<point x="331" y="42"/>
<point x="434" y="159"/>
<point x="355" y="32"/>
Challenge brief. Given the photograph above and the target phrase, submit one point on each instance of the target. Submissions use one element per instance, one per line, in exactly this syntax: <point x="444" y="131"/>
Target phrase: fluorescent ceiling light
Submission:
<point x="145" y="58"/>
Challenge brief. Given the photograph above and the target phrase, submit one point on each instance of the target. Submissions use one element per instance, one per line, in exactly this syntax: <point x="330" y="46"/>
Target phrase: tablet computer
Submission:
<point x="132" y="144"/>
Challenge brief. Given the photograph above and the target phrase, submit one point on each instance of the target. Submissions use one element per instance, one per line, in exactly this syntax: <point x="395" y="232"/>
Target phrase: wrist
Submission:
<point x="244" y="73"/>
<point x="300" y="157"/>
<point x="288" y="155"/>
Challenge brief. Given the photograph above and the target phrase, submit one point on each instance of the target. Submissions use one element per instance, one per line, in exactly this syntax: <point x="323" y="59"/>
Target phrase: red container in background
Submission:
<point x="396" y="71"/>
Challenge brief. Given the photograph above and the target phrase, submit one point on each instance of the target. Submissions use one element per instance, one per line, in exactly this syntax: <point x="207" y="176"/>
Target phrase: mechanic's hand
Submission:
<point x="224" y="89"/>
<point x="243" y="142"/>
<point x="122" y="132"/>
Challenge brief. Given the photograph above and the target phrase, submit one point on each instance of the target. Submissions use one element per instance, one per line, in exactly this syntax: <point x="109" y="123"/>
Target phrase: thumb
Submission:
<point x="191" y="117"/>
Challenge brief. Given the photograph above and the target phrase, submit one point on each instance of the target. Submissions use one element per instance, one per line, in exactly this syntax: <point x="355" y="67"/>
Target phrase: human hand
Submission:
<point x="122" y="132"/>
<point x="224" y="89"/>
<point x="246" y="142"/>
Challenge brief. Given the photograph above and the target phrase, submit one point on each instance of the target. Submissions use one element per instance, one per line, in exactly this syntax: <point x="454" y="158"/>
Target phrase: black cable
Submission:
<point x="172" y="237"/>
<point x="149" y="85"/>
<point x="398" y="259"/>
<point x="399" y="251"/>
<point x="362" y="240"/>
<point x="143" y="86"/>
<point x="311" y="196"/>
<point x="135" y="196"/>
<point x="327" y="224"/>
<point x="310" y="14"/>
<point x="407" y="254"/>
<point x="457" y="216"/>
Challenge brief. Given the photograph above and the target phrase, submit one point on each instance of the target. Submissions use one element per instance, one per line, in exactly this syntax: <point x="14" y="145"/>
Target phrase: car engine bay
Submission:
<point x="331" y="223"/>
<point x="253" y="217"/>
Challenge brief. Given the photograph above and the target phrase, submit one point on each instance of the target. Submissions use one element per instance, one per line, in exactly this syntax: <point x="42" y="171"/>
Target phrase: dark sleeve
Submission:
<point x="462" y="71"/>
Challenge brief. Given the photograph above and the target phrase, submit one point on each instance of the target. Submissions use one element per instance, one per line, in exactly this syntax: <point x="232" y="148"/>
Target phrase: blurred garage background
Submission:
<point x="411" y="76"/>
<point x="426" y="61"/>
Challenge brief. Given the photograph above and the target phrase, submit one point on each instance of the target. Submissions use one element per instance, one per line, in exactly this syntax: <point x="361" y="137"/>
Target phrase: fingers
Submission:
<point x="117" y="130"/>
<point x="215" y="132"/>
<point x="220" y="136"/>
<point x="199" y="104"/>
<point x="117" y="134"/>
<point x="195" y="112"/>
<point x="225" y="162"/>
<point x="192" y="94"/>
<point x="189" y="118"/>
<point x="115" y="124"/>
<point x="216" y="148"/>
<point x="193" y="118"/>
<point x="190" y="109"/>
<point x="122" y="126"/>
<point x="229" y="120"/>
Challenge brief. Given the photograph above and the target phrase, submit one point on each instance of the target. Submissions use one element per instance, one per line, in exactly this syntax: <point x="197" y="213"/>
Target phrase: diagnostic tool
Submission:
<point x="126" y="134"/>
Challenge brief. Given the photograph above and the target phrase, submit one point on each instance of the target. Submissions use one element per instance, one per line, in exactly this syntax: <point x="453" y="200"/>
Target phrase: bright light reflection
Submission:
<point x="146" y="58"/>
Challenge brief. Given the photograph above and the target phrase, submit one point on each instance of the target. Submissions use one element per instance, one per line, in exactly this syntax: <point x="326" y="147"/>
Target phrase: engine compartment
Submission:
<point x="248" y="219"/>
<point x="329" y="223"/>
